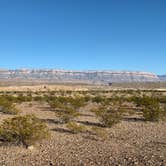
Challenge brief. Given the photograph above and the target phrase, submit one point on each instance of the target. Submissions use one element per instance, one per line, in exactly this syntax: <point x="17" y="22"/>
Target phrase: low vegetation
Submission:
<point x="151" y="108"/>
<point x="8" y="107"/>
<point x="23" y="130"/>
<point x="108" y="116"/>
<point x="110" y="108"/>
<point x="99" y="132"/>
<point x="66" y="108"/>
<point x="76" y="128"/>
<point x="100" y="127"/>
<point x="66" y="114"/>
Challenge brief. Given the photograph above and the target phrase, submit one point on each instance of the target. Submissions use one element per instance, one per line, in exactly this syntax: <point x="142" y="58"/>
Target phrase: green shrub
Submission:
<point x="162" y="99"/>
<point x="108" y="116"/>
<point x="99" y="132"/>
<point x="8" y="98"/>
<point x="77" y="102"/>
<point x="144" y="101"/>
<point x="151" y="108"/>
<point x="16" y="99"/>
<point x="38" y="98"/>
<point x="66" y="114"/>
<point x="98" y="99"/>
<point x="164" y="112"/>
<point x="21" y="98"/>
<point x="25" y="130"/>
<point x="55" y="104"/>
<point x="152" y="114"/>
<point x="75" y="128"/>
<point x="66" y="107"/>
<point x="8" y="107"/>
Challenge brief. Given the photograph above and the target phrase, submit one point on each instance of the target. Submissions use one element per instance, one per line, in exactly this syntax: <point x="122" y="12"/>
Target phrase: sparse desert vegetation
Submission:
<point x="7" y="106"/>
<point x="93" y="127"/>
<point x="24" y="130"/>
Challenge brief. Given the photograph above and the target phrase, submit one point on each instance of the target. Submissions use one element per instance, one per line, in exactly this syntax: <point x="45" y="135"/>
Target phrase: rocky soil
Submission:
<point x="131" y="142"/>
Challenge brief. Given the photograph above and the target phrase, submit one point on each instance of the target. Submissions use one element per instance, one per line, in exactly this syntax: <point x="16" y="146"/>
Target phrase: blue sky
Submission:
<point x="83" y="34"/>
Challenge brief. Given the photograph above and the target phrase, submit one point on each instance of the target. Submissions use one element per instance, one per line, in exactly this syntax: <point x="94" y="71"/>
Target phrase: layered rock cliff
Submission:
<point x="162" y="78"/>
<point x="79" y="76"/>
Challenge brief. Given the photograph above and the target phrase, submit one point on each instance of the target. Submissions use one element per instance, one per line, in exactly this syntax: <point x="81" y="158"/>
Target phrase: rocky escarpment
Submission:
<point x="79" y="76"/>
<point x="162" y="78"/>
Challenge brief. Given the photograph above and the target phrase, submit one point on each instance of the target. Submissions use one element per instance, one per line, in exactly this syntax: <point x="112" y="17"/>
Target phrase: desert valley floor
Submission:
<point x="130" y="142"/>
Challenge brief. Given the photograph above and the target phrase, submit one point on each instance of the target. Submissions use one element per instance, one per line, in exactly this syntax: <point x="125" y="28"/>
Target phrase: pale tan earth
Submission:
<point x="45" y="88"/>
<point x="42" y="88"/>
<point x="131" y="142"/>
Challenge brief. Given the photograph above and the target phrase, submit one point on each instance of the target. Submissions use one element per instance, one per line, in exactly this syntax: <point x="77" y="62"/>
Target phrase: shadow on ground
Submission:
<point x="86" y="115"/>
<point x="51" y="121"/>
<point x="133" y="119"/>
<point x="62" y="130"/>
<point x="90" y="123"/>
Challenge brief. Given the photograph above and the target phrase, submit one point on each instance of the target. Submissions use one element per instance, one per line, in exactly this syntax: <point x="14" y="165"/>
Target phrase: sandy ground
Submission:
<point x="43" y="88"/>
<point x="131" y="142"/>
<point x="56" y="87"/>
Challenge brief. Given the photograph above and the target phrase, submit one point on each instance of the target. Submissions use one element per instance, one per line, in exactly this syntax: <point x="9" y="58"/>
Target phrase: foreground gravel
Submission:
<point x="129" y="143"/>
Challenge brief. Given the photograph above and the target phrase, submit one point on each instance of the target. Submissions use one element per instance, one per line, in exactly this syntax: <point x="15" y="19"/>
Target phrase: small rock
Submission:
<point x="30" y="147"/>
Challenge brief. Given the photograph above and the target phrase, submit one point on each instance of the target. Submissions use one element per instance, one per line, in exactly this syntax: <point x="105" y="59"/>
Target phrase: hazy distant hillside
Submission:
<point x="76" y="76"/>
<point x="162" y="78"/>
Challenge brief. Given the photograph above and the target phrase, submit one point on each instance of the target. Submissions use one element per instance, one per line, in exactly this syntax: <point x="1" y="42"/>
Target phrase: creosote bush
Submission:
<point x="99" y="132"/>
<point x="8" y="107"/>
<point x="23" y="130"/>
<point x="98" y="99"/>
<point x="66" y="108"/>
<point x="108" y="116"/>
<point x="66" y="114"/>
<point x="151" y="108"/>
<point x="76" y="128"/>
<point x="152" y="114"/>
<point x="164" y="112"/>
<point x="75" y="102"/>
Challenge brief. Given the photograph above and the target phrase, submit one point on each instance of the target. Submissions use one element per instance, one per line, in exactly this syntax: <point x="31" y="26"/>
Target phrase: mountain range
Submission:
<point x="162" y="77"/>
<point x="88" y="76"/>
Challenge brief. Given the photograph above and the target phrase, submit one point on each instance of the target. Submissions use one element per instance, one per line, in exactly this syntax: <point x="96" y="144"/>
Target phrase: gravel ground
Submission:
<point x="131" y="142"/>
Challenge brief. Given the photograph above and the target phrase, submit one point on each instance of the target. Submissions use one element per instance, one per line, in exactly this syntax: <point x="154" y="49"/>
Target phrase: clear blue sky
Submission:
<point x="83" y="34"/>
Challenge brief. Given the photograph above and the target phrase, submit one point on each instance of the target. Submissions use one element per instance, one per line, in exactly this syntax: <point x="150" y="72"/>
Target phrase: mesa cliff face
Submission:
<point x="162" y="78"/>
<point x="79" y="76"/>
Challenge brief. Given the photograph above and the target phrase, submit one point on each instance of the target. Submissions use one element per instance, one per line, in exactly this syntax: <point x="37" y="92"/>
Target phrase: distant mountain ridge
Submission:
<point x="89" y="76"/>
<point x="162" y="78"/>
